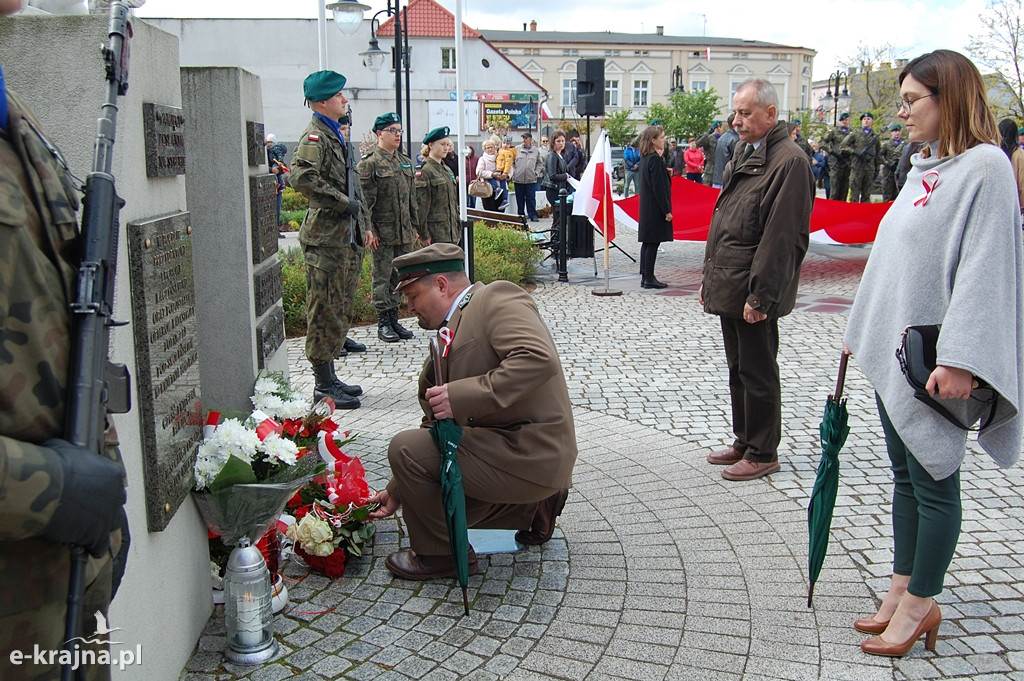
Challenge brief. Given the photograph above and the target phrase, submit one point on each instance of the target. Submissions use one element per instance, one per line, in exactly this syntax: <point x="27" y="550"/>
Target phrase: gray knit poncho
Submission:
<point x="956" y="260"/>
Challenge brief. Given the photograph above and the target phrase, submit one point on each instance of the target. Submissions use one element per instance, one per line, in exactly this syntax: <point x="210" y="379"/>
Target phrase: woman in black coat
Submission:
<point x="655" y="203"/>
<point x="556" y="172"/>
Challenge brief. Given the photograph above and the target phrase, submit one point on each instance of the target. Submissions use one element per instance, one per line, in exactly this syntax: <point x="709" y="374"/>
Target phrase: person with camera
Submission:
<point x="947" y="237"/>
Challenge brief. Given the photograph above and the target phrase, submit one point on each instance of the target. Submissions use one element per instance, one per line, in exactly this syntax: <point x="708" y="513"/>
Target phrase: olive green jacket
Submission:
<point x="320" y="173"/>
<point x="437" y="202"/>
<point x="387" y="183"/>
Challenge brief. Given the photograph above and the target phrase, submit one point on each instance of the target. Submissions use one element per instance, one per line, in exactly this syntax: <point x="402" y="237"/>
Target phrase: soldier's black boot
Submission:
<point x="326" y="387"/>
<point x="352" y="390"/>
<point x="401" y="331"/>
<point x="384" y="330"/>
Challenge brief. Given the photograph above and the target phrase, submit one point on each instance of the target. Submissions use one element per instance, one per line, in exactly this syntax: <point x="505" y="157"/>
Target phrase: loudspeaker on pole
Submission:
<point x="590" y="87"/>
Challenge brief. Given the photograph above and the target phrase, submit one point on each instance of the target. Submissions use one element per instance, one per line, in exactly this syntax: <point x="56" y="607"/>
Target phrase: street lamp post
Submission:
<point x="374" y="58"/>
<point x="839" y="78"/>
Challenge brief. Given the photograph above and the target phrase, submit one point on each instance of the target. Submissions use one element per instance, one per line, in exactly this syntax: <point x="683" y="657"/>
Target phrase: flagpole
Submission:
<point x="606" y="189"/>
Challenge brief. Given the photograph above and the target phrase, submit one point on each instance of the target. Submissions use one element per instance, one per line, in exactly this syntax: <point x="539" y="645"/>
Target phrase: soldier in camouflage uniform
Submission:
<point x="353" y="256"/>
<point x="839" y="163"/>
<point x="387" y="177"/>
<point x="437" y="193"/>
<point x="52" y="493"/>
<point x="892" y="149"/>
<point x="707" y="143"/>
<point x="864" y="151"/>
<point x="329" y="232"/>
<point x="800" y="140"/>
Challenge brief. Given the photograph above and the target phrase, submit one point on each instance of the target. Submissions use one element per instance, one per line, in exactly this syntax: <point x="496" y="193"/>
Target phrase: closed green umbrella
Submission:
<point x="447" y="434"/>
<point x="834" y="430"/>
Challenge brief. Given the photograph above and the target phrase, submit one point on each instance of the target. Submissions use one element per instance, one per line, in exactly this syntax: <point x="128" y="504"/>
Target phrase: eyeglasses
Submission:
<point x="394" y="131"/>
<point x="905" y="104"/>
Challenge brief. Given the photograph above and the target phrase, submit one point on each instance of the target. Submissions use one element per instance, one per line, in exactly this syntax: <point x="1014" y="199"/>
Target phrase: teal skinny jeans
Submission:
<point x="926" y="516"/>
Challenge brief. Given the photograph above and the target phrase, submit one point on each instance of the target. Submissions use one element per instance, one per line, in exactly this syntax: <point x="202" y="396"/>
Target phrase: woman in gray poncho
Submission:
<point x="948" y="252"/>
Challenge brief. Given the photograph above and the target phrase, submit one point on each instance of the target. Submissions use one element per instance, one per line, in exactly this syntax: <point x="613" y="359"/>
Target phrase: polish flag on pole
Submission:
<point x="545" y="112"/>
<point x="707" y="51"/>
<point x="594" y="196"/>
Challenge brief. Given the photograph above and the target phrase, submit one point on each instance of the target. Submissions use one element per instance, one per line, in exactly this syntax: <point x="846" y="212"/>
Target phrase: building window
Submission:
<point x="611" y="93"/>
<point x="640" y="92"/>
<point x="575" y="52"/>
<point x="615" y="53"/>
<point x="568" y="92"/>
<point x="565" y="52"/>
<point x="504" y="50"/>
<point x="698" y="85"/>
<point x="447" y="58"/>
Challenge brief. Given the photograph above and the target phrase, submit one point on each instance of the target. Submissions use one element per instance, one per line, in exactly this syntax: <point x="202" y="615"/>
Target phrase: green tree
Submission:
<point x="875" y="85"/>
<point x="687" y="114"/>
<point x="619" y="127"/>
<point x="1001" y="47"/>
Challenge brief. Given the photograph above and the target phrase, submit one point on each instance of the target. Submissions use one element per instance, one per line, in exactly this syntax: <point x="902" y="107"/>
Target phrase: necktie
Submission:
<point x="746" y="154"/>
<point x="3" y="101"/>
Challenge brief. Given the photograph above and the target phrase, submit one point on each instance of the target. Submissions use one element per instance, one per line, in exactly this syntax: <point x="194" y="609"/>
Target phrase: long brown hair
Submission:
<point x="965" y="120"/>
<point x="647" y="138"/>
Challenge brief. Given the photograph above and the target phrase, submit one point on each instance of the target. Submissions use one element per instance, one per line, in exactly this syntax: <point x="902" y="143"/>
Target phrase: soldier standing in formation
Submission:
<point x="839" y="163"/>
<point x="320" y="172"/>
<point x="387" y="176"/>
<point x="708" y="143"/>
<point x="52" y="493"/>
<point x="864" y="150"/>
<point x="353" y="256"/>
<point x="437" y="192"/>
<point x="891" y="151"/>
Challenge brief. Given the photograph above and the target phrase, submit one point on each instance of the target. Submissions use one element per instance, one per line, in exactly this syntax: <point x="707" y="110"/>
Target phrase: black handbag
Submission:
<point x="916" y="355"/>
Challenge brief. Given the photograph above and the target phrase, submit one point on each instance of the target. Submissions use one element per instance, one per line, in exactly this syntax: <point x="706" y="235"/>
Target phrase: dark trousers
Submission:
<point x="648" y="256"/>
<point x="526" y="199"/>
<point x="926" y="516"/>
<point x="556" y="208"/>
<point x="751" y="351"/>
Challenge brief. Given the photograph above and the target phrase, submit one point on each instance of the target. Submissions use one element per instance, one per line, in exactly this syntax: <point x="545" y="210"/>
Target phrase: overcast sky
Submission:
<point x="832" y="27"/>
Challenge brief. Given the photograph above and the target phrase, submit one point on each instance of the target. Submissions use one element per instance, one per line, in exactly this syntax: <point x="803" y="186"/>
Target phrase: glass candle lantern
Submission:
<point x="248" y="617"/>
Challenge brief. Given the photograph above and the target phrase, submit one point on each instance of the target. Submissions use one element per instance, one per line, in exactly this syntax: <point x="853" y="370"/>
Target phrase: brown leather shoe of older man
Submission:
<point x="725" y="457"/>
<point x="408" y="564"/>
<point x="746" y="469"/>
<point x="543" y="525"/>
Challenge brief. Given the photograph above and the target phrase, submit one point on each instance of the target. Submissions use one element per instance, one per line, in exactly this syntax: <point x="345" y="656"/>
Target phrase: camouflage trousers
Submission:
<point x="330" y="294"/>
<point x="839" y="175"/>
<point x="889" y="190"/>
<point x="41" y="623"/>
<point x="385" y="276"/>
<point x="861" y="180"/>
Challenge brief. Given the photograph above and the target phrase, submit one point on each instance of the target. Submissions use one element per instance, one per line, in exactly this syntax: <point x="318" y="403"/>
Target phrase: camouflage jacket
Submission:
<point x="708" y="143"/>
<point x="320" y="173"/>
<point x="831" y="141"/>
<point x="863" y="149"/>
<point x="387" y="183"/>
<point x="890" y="154"/>
<point x="437" y="203"/>
<point x="38" y="248"/>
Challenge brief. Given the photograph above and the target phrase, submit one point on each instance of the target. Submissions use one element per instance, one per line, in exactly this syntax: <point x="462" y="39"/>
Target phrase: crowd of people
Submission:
<point x="500" y="378"/>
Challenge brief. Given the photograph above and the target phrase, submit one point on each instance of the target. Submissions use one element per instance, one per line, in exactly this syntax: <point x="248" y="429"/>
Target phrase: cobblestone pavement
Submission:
<point x="660" y="569"/>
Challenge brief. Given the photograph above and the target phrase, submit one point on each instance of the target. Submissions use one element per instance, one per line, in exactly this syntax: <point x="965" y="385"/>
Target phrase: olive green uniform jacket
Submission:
<point x="387" y="183"/>
<point x="437" y="203"/>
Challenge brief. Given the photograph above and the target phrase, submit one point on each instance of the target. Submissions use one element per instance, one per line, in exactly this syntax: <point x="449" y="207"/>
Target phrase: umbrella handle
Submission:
<point x="843" y="360"/>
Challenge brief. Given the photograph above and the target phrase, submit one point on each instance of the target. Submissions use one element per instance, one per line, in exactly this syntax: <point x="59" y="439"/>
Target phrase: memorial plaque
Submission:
<point x="164" y="129"/>
<point x="167" y="360"/>
<point x="256" y="143"/>
<point x="269" y="336"/>
<point x="266" y="287"/>
<point x="263" y="216"/>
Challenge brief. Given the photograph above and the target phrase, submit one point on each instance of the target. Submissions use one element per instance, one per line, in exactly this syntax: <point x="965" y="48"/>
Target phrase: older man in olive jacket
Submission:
<point x="756" y="244"/>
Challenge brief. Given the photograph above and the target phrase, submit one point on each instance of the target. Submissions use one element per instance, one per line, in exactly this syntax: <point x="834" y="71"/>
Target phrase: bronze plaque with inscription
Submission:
<point x="266" y="287"/>
<point x="164" y="130"/>
<point x="269" y="336"/>
<point x="263" y="216"/>
<point x="256" y="143"/>
<point x="167" y="360"/>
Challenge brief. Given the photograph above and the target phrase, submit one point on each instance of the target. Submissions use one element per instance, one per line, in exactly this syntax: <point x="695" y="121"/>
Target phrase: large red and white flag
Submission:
<point x="545" y="112"/>
<point x="593" y="198"/>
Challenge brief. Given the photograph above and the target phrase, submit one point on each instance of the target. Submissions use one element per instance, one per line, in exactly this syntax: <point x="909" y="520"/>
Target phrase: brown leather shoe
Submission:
<point x="543" y="525"/>
<point x="746" y="469"/>
<point x="408" y="565"/>
<point x="869" y="625"/>
<point x="725" y="457"/>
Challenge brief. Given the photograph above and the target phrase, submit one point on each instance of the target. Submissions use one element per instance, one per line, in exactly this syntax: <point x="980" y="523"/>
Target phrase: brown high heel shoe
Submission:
<point x="869" y="625"/>
<point x="929" y="626"/>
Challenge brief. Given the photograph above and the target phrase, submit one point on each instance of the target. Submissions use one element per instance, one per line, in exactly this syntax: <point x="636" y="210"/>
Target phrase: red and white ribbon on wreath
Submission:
<point x="330" y="452"/>
<point x="265" y="425"/>
<point x="212" y="419"/>
<point x="930" y="179"/>
<point x="446" y="335"/>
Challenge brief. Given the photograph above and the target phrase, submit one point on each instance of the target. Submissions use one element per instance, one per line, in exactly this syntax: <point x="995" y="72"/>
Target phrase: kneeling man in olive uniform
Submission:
<point x="506" y="388"/>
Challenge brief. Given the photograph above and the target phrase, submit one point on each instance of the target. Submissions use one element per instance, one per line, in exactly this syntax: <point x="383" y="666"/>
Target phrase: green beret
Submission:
<point x="867" y="114"/>
<point x="436" y="134"/>
<point x="843" y="116"/>
<point x="1020" y="131"/>
<point x="322" y="85"/>
<point x="384" y="120"/>
<point x="895" y="126"/>
<point x="431" y="259"/>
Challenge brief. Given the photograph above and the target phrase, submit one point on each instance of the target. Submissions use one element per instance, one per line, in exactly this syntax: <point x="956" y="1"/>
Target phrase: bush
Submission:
<point x="293" y="281"/>
<point x="292" y="200"/>
<point x="290" y="216"/>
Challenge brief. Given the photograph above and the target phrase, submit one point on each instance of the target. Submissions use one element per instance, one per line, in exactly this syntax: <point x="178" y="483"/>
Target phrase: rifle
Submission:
<point x="355" y="232"/>
<point x="95" y="385"/>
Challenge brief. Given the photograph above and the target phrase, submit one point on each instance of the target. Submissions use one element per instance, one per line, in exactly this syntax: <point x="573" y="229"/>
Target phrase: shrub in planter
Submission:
<point x="293" y="200"/>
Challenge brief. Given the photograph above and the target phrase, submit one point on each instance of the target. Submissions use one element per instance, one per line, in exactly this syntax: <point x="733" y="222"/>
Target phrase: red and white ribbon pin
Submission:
<point x="930" y="179"/>
<point x="446" y="335"/>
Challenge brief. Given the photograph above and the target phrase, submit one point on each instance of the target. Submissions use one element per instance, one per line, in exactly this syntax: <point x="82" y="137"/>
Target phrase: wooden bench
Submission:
<point x="495" y="217"/>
